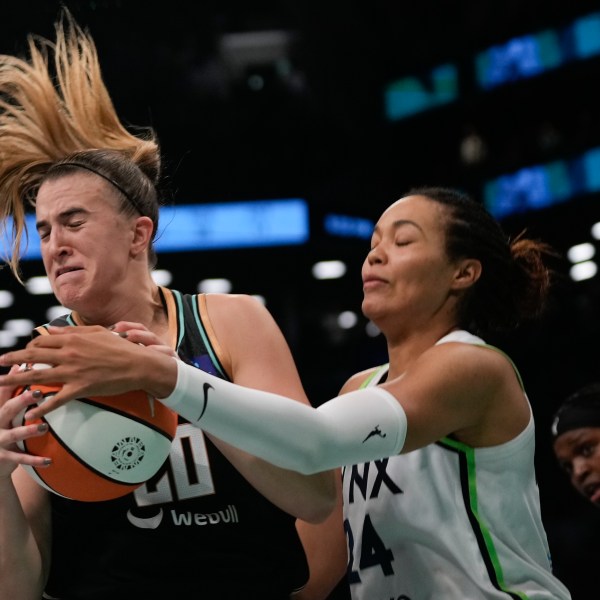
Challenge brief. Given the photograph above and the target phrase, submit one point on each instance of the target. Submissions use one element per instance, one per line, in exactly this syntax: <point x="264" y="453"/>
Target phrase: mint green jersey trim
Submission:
<point x="377" y="372"/>
<point x="70" y="320"/>
<point x="180" y="317"/>
<point x="469" y="455"/>
<point x="213" y="357"/>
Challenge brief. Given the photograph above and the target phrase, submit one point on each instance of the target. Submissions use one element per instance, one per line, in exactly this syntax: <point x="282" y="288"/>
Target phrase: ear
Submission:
<point x="467" y="273"/>
<point x="142" y="235"/>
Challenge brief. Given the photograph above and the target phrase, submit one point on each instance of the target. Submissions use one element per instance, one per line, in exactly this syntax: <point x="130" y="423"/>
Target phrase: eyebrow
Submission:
<point x="400" y="223"/>
<point x="63" y="216"/>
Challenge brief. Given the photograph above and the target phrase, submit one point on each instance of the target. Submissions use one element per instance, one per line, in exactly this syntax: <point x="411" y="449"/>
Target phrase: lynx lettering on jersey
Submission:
<point x="368" y="480"/>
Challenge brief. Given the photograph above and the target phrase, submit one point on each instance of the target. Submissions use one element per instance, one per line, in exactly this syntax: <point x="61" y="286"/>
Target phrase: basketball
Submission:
<point x="101" y="447"/>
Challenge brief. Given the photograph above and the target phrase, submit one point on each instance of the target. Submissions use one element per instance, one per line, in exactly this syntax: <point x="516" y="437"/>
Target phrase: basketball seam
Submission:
<point x="125" y="414"/>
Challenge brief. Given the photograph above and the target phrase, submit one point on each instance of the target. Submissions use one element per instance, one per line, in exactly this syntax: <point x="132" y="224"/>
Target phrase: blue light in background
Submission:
<point x="193" y="227"/>
<point x="586" y="34"/>
<point x="348" y="226"/>
<point x="411" y="95"/>
<point x="518" y="58"/>
<point x="233" y="225"/>
<point x="540" y="186"/>
<point x="533" y="54"/>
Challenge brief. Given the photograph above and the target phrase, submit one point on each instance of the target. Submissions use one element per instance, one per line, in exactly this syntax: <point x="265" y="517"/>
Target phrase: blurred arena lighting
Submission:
<point x="473" y="149"/>
<point x="347" y="319"/>
<point x="372" y="330"/>
<point x="522" y="57"/>
<point x="581" y="252"/>
<point x="162" y="277"/>
<point x="348" y="226"/>
<point x="329" y="269"/>
<point x="539" y="186"/>
<point x="244" y="54"/>
<point x="410" y="95"/>
<point x="19" y="327"/>
<point x="583" y="270"/>
<point x="6" y="299"/>
<point x="56" y="311"/>
<point x="7" y="339"/>
<point x="38" y="285"/>
<point x="596" y="231"/>
<point x="215" y="286"/>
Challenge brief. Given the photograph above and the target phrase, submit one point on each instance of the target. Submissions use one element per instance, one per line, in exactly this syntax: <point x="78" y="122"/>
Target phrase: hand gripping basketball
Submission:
<point x="101" y="447"/>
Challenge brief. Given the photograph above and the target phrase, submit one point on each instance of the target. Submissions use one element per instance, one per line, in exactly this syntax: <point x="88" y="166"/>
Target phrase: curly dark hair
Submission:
<point x="515" y="279"/>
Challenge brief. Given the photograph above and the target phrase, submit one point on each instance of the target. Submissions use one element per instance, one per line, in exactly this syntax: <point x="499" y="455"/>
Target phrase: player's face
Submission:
<point x="578" y="453"/>
<point x="407" y="274"/>
<point x="85" y="241"/>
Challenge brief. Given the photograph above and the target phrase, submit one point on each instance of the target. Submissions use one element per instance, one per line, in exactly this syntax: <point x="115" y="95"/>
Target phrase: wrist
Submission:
<point x="159" y="374"/>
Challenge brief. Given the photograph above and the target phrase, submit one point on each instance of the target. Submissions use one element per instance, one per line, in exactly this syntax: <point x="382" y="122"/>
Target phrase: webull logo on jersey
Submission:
<point x="229" y="515"/>
<point x="186" y="518"/>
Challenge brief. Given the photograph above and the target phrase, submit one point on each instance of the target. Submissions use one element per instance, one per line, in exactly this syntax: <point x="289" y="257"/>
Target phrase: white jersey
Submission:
<point x="448" y="522"/>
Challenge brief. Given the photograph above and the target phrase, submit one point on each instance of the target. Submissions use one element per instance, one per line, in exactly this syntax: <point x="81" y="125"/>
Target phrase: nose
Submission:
<point x="56" y="244"/>
<point x="376" y="255"/>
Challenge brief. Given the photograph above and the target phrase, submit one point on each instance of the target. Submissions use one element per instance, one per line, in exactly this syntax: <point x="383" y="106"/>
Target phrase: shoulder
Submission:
<point x="474" y="389"/>
<point x="248" y="334"/>
<point x="358" y="379"/>
<point x="483" y="365"/>
<point x="241" y="304"/>
<point x="239" y="312"/>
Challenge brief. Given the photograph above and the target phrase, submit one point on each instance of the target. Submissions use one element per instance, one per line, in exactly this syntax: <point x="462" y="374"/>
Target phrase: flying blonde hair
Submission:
<point x="52" y="105"/>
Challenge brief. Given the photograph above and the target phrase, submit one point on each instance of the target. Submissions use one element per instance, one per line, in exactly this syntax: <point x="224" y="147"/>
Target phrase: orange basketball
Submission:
<point x="101" y="447"/>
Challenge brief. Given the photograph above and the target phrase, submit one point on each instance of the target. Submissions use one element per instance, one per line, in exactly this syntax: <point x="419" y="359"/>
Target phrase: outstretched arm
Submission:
<point x="355" y="427"/>
<point x="452" y="388"/>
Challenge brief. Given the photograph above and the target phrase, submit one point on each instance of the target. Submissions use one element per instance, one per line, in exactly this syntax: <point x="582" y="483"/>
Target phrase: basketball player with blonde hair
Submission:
<point x="93" y="186"/>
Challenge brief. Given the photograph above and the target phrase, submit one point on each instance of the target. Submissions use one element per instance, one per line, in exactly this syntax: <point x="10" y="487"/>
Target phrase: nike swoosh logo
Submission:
<point x="149" y="523"/>
<point x="205" y="387"/>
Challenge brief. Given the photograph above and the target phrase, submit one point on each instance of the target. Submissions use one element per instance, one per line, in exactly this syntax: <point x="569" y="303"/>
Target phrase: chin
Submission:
<point x="370" y="310"/>
<point x="72" y="301"/>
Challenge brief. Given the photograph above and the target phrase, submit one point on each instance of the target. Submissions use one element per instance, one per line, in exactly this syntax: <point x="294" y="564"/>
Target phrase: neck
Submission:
<point x="144" y="306"/>
<point x="406" y="348"/>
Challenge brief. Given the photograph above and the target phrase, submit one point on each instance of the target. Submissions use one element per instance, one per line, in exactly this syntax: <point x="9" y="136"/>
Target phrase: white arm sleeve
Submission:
<point x="356" y="427"/>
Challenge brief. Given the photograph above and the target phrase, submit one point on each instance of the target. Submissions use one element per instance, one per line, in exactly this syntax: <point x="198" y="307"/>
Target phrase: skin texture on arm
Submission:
<point x="466" y="390"/>
<point x="24" y="513"/>
<point x="260" y="358"/>
<point x="326" y="551"/>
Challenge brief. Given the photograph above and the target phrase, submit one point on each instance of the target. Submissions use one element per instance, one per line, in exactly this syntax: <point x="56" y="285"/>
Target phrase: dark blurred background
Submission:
<point x="346" y="105"/>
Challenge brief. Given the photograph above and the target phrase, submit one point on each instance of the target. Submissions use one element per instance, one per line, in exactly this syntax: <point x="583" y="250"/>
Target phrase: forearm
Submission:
<point x="307" y="497"/>
<point x="21" y="571"/>
<point x="356" y="427"/>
